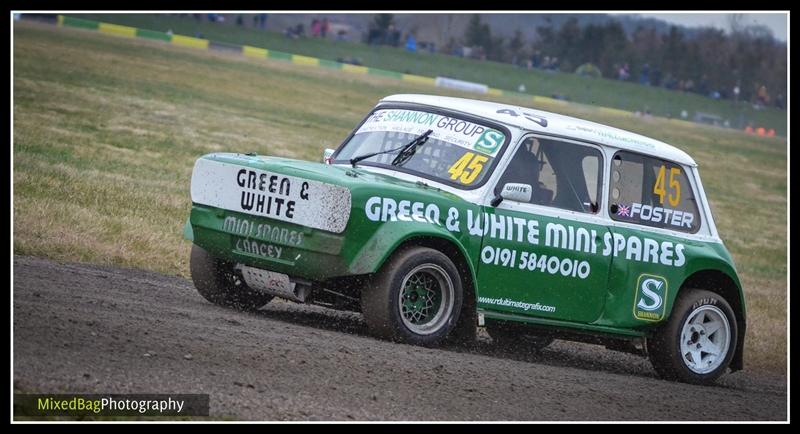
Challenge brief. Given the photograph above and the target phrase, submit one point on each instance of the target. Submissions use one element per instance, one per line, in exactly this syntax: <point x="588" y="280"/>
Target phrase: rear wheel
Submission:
<point x="697" y="343"/>
<point x="513" y="335"/>
<point x="216" y="280"/>
<point x="415" y="298"/>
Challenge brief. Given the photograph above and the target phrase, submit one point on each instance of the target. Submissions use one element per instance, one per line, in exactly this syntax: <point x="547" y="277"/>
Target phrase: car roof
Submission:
<point x="557" y="124"/>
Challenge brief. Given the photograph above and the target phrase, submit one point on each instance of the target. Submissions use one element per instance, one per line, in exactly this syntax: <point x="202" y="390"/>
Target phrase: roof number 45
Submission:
<point x="533" y="118"/>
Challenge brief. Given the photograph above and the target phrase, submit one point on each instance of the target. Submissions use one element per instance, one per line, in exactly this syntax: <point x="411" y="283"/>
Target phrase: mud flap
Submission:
<point x="188" y="234"/>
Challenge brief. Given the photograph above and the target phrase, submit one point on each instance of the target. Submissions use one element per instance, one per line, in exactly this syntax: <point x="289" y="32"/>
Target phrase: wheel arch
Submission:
<point x="467" y="323"/>
<point x="728" y="288"/>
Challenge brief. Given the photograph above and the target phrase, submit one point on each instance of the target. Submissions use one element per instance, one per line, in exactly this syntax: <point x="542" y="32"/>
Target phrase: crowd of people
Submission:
<point x="392" y="36"/>
<point x="319" y="28"/>
<point x="543" y="62"/>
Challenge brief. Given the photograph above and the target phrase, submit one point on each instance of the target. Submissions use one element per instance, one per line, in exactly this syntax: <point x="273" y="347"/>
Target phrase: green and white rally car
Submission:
<point x="437" y="215"/>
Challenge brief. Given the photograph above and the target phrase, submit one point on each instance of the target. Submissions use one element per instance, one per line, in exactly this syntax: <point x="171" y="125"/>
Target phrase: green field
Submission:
<point x="608" y="93"/>
<point x="106" y="131"/>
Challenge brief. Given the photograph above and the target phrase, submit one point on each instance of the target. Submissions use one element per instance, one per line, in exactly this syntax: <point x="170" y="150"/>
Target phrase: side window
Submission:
<point x="562" y="174"/>
<point x="652" y="192"/>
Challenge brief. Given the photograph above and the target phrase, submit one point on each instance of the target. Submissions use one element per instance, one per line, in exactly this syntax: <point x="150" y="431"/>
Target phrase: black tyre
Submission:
<point x="217" y="282"/>
<point x="513" y="335"/>
<point x="415" y="298"/>
<point x="698" y="341"/>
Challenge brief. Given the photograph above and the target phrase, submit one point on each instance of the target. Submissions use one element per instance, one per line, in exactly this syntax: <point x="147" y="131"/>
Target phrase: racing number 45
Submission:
<point x="467" y="168"/>
<point x="674" y="185"/>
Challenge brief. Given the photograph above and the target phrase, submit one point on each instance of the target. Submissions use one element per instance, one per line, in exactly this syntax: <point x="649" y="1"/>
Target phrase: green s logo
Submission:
<point x="489" y="141"/>
<point x="651" y="296"/>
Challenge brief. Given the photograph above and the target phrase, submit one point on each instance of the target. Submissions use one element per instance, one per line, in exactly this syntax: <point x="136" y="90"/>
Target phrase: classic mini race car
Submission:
<point x="439" y="215"/>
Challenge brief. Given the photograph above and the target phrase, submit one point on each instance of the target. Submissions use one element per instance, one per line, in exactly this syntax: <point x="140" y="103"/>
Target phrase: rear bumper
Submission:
<point x="268" y="244"/>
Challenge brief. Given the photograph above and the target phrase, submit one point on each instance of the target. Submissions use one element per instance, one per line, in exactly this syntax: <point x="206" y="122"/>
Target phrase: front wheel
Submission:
<point x="415" y="298"/>
<point x="697" y="344"/>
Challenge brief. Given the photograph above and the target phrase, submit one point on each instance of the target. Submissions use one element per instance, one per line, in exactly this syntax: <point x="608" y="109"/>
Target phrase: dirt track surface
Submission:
<point x="85" y="328"/>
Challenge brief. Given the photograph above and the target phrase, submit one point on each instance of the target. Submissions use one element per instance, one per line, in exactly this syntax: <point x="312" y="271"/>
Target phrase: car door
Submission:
<point x="543" y="257"/>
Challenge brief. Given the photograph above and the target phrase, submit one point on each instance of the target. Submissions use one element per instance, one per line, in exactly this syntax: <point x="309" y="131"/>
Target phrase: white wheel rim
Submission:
<point x="442" y="314"/>
<point x="705" y="339"/>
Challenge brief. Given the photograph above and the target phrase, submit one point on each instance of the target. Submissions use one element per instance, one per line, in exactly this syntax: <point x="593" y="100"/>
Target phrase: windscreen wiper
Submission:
<point x="406" y="151"/>
<point x="410" y="149"/>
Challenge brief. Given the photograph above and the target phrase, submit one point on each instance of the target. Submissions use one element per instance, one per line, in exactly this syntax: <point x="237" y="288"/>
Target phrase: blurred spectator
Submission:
<point x="623" y="73"/>
<point x="341" y="35"/>
<point x="392" y="36"/>
<point x="239" y="20"/>
<point x="670" y="82"/>
<point x="762" y="96"/>
<point x="373" y="35"/>
<point x="655" y="77"/>
<point x="316" y="28"/>
<point x="295" y="32"/>
<point x="536" y="59"/>
<point x="644" y="75"/>
<point x="262" y="20"/>
<point x="411" y="43"/>
<point x="779" y="101"/>
<point x="702" y="87"/>
<point x="324" y="28"/>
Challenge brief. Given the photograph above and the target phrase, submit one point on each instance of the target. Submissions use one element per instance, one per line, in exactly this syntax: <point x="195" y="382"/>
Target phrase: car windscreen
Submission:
<point x="458" y="151"/>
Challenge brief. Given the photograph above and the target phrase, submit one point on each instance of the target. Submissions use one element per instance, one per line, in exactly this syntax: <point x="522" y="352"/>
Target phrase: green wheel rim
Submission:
<point x="426" y="299"/>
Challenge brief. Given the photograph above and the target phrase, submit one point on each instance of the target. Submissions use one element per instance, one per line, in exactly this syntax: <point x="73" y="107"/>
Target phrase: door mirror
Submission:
<point x="514" y="191"/>
<point x="327" y="154"/>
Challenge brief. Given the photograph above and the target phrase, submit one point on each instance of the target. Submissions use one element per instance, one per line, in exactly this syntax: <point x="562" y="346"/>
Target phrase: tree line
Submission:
<point x="747" y="64"/>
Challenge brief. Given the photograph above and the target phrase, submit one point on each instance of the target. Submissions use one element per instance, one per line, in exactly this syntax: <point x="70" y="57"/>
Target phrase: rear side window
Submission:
<point x="562" y="174"/>
<point x="652" y="192"/>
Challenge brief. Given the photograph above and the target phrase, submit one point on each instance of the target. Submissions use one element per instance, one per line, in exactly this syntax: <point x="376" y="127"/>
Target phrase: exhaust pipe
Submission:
<point x="276" y="284"/>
